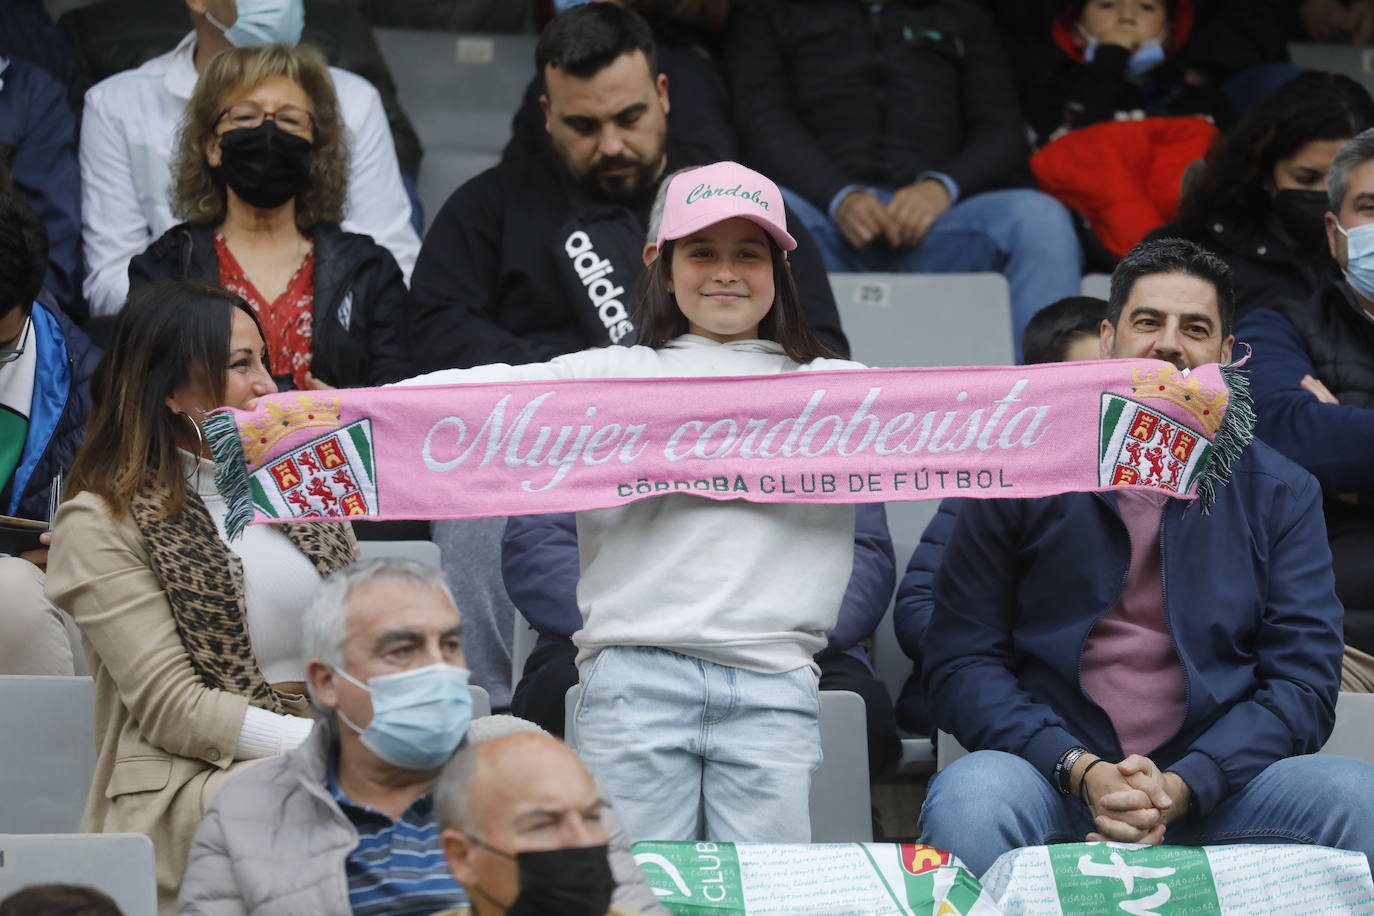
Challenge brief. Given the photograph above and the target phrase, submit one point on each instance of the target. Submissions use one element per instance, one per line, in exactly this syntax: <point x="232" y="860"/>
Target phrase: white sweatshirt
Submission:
<point x="751" y="585"/>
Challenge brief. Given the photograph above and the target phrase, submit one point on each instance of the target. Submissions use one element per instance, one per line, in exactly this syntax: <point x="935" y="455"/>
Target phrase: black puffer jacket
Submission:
<point x="361" y="310"/>
<point x="830" y="93"/>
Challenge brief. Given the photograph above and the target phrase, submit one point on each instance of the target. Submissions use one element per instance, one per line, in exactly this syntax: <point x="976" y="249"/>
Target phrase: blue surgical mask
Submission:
<point x="1359" y="258"/>
<point x="419" y="717"/>
<point x="561" y="5"/>
<point x="264" y="22"/>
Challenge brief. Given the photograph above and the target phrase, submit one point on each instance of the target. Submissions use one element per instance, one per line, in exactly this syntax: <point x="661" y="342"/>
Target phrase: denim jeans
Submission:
<point x="1026" y="236"/>
<point x="989" y="802"/>
<point x="692" y="750"/>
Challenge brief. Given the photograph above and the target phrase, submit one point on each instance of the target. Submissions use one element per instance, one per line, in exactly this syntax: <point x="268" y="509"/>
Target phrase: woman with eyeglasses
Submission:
<point x="260" y="178"/>
<point x="194" y="640"/>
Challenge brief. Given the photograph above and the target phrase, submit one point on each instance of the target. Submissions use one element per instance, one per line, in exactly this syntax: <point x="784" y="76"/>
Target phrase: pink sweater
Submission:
<point x="1130" y="667"/>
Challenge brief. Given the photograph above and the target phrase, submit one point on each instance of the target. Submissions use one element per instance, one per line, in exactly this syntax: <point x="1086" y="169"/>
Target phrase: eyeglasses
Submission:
<point x="289" y="118"/>
<point x="9" y="356"/>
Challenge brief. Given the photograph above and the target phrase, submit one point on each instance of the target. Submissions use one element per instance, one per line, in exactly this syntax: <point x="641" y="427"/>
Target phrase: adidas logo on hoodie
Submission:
<point x="594" y="272"/>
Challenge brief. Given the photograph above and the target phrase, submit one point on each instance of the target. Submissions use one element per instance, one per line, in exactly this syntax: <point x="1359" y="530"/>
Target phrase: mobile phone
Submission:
<point x="19" y="535"/>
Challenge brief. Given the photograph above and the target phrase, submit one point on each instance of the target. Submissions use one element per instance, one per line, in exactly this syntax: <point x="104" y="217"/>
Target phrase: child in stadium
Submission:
<point x="700" y="701"/>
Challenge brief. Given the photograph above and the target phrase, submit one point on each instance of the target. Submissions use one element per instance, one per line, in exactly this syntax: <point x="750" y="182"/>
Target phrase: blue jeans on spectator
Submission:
<point x="1026" y="236"/>
<point x="692" y="750"/>
<point x="990" y="802"/>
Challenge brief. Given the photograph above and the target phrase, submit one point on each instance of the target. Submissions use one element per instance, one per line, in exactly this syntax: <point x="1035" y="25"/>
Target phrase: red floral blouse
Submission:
<point x="287" y="321"/>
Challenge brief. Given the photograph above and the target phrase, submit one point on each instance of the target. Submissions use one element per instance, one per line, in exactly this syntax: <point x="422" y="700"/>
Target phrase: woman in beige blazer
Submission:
<point x="193" y="640"/>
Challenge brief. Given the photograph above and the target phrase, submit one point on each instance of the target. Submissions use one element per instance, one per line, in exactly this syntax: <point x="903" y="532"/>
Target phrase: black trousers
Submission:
<point x="551" y="670"/>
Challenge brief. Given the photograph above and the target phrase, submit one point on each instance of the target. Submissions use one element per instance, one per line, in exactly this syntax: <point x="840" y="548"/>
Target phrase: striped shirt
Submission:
<point x="397" y="867"/>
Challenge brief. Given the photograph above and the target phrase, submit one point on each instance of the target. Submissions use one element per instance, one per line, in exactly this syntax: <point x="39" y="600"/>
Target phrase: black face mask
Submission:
<point x="264" y="165"/>
<point x="1302" y="214"/>
<point x="562" y="882"/>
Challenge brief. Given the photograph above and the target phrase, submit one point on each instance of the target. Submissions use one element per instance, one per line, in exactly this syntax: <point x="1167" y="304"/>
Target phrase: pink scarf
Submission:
<point x="467" y="451"/>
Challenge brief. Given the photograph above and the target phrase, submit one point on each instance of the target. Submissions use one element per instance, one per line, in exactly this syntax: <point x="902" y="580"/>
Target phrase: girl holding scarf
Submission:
<point x="699" y="706"/>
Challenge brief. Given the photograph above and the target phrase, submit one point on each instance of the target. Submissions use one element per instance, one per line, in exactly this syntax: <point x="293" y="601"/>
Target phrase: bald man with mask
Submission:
<point x="521" y="827"/>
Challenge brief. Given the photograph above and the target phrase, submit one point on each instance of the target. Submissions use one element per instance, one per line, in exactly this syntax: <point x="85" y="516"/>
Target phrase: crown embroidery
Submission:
<point x="277" y="419"/>
<point x="1207" y="406"/>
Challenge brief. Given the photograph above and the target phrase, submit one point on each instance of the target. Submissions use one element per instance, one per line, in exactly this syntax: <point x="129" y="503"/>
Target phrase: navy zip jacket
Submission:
<point x="1248" y="595"/>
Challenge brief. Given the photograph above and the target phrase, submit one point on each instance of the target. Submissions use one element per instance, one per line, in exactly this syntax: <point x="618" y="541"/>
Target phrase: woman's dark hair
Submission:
<point x="1235" y="186"/>
<point x="168" y="335"/>
<point x="1051" y="330"/>
<point x="658" y="318"/>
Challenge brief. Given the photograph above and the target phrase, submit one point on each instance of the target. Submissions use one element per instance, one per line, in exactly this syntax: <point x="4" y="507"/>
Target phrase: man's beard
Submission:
<point x="628" y="188"/>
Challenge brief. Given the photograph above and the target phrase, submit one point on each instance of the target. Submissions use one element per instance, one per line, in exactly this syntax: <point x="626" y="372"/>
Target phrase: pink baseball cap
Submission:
<point x="703" y="197"/>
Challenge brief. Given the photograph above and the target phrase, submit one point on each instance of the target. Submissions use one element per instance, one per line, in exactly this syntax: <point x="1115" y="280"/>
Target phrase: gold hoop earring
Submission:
<point x="200" y="437"/>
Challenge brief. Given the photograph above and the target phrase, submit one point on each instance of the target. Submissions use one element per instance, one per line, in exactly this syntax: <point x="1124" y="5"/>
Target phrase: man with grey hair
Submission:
<point x="1312" y="375"/>
<point x="523" y="828"/>
<point x="345" y="822"/>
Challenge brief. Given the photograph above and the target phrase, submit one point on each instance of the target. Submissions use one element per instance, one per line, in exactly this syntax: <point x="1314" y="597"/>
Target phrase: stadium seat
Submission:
<point x="47" y="756"/>
<point x="925" y="319"/>
<point x="523" y="638"/>
<point x="840" y="802"/>
<point x="461" y="91"/>
<point x="426" y="552"/>
<point x="117" y="864"/>
<point x="481" y="701"/>
<point x="1099" y="285"/>
<point x="1352" y="736"/>
<point x="920" y="320"/>
<point x="1354" y="61"/>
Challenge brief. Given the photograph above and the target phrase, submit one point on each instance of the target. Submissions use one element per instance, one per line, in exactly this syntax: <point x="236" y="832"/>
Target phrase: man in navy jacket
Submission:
<point x="1131" y="668"/>
<point x="539" y="560"/>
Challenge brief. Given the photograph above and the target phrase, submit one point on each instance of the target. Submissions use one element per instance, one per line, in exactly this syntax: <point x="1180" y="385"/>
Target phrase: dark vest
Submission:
<point x="1340" y="339"/>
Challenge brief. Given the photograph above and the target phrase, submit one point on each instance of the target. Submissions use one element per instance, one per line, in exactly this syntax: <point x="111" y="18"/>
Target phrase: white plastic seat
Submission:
<point x="426" y="552"/>
<point x="47" y="756"/>
<point x="117" y="864"/>
<point x="925" y="319"/>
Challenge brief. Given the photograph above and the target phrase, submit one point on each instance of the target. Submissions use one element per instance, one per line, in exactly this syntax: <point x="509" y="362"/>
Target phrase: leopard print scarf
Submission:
<point x="203" y="580"/>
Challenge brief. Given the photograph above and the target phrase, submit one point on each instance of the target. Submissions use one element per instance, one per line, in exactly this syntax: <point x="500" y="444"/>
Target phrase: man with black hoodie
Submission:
<point x="540" y="256"/>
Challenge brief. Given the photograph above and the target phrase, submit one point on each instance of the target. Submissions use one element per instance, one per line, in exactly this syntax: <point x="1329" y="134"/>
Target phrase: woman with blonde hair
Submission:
<point x="260" y="178"/>
<point x="194" y="641"/>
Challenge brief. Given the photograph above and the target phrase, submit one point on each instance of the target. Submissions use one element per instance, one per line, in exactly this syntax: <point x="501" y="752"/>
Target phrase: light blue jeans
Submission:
<point x="989" y="802"/>
<point x="1024" y="235"/>
<point x="692" y="750"/>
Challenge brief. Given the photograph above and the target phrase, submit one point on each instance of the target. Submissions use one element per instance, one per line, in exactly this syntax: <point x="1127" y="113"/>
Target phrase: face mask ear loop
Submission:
<point x="356" y="683"/>
<point x="210" y="18"/>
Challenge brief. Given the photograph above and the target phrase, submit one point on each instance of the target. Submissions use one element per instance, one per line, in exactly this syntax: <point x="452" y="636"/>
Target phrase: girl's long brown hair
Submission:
<point x="167" y="336"/>
<point x="659" y="320"/>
